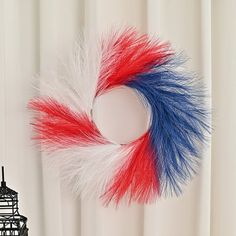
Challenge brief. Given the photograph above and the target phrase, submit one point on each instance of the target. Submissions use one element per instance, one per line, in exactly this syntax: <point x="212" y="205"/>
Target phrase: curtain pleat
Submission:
<point x="223" y="204"/>
<point x="19" y="54"/>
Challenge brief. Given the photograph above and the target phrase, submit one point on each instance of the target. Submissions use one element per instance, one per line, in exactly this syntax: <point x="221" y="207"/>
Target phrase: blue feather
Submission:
<point x="179" y="123"/>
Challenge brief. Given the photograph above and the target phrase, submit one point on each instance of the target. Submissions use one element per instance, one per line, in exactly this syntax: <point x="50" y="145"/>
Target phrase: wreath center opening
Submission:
<point x="120" y="115"/>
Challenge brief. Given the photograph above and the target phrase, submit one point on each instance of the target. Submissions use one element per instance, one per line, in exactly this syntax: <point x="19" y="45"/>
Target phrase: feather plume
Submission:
<point x="179" y="122"/>
<point x="74" y="81"/>
<point x="137" y="178"/>
<point x="127" y="53"/>
<point x="58" y="126"/>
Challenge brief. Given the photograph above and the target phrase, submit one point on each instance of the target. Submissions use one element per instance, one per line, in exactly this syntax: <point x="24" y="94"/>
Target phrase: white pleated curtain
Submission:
<point x="34" y="32"/>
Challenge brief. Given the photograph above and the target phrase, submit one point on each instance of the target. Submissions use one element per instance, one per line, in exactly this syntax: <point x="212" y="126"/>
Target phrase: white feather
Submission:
<point x="74" y="82"/>
<point x="89" y="170"/>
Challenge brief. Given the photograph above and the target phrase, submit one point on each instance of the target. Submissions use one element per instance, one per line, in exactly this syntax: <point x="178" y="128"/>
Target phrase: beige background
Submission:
<point x="34" y="32"/>
<point x="121" y="115"/>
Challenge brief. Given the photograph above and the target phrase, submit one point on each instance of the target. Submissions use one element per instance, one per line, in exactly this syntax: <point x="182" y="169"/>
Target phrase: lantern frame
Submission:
<point x="11" y="222"/>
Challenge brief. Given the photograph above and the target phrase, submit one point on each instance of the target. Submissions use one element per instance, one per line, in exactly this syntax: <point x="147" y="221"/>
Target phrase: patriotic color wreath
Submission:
<point x="155" y="164"/>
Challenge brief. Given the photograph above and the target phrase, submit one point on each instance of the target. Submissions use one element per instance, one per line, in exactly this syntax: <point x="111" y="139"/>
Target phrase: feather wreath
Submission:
<point x="157" y="163"/>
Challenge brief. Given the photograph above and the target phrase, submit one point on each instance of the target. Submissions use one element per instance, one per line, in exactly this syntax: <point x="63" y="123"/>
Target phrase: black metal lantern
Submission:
<point x="11" y="222"/>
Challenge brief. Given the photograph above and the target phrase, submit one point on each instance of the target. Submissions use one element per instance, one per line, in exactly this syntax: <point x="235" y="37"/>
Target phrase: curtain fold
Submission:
<point x="35" y="33"/>
<point x="223" y="204"/>
<point x="19" y="54"/>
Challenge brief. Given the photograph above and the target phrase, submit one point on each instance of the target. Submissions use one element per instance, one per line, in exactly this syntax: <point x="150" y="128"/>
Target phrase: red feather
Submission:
<point x="128" y="54"/>
<point x="57" y="126"/>
<point x="137" y="177"/>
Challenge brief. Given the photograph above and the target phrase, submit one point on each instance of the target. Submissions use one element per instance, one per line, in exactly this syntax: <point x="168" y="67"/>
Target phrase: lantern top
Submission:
<point x="4" y="190"/>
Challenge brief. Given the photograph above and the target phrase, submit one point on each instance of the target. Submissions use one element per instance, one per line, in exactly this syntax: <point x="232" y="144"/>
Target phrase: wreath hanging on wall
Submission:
<point x="157" y="163"/>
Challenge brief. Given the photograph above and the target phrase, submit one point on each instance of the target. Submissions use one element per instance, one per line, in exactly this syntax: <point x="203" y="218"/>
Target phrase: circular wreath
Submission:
<point x="157" y="163"/>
